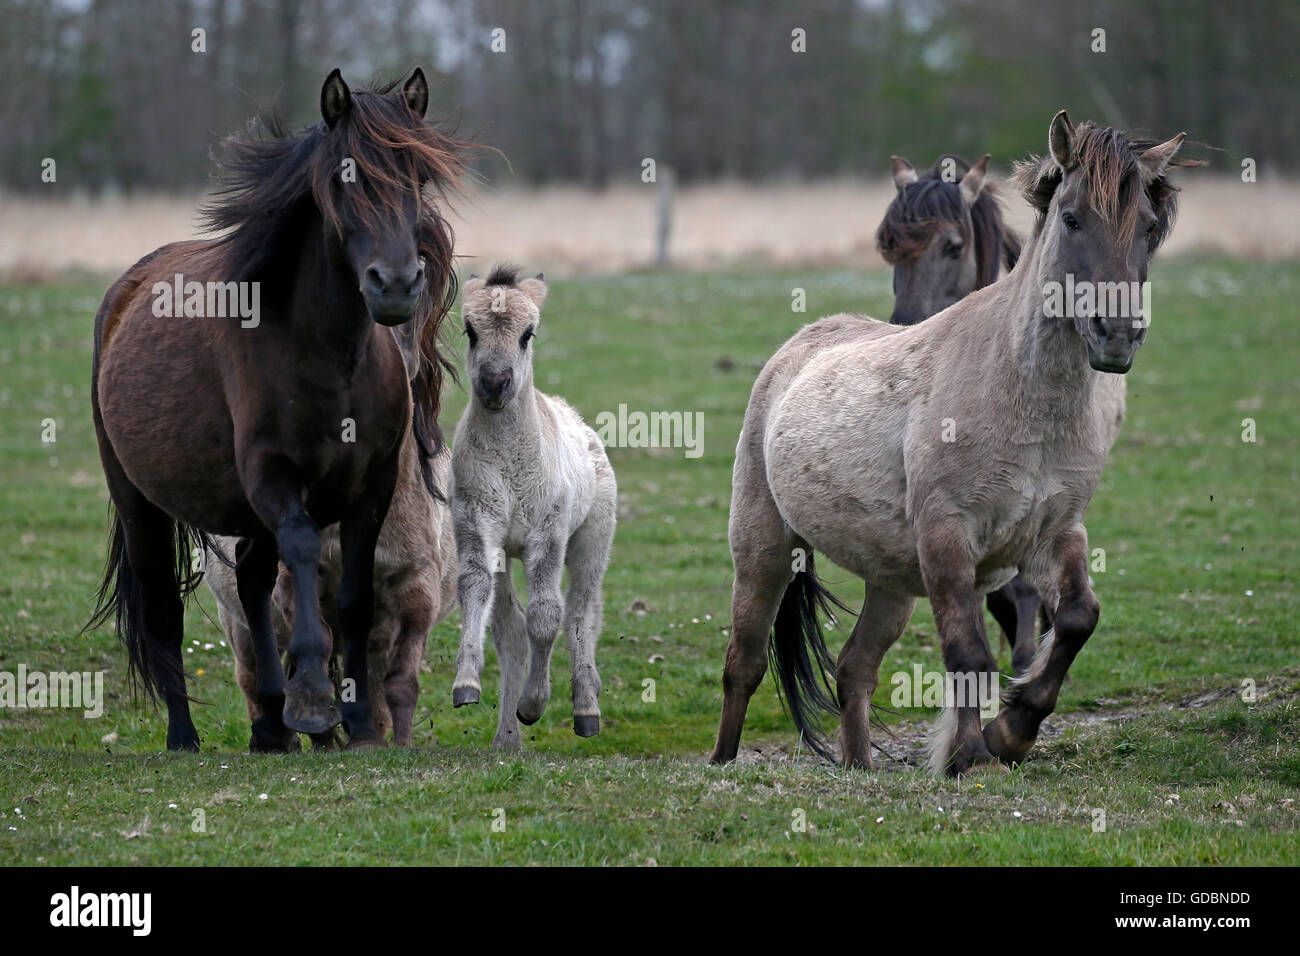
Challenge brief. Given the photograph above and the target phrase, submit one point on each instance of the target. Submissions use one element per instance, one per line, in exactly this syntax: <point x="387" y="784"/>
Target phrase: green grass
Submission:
<point x="1198" y="595"/>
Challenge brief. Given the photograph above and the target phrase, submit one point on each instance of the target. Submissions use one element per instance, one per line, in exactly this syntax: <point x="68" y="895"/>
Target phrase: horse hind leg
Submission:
<point x="256" y="566"/>
<point x="1028" y="604"/>
<point x="587" y="558"/>
<point x="762" y="549"/>
<point x="510" y="637"/>
<point x="402" y="682"/>
<point x="142" y="588"/>
<point x="1002" y="605"/>
<point x="883" y="617"/>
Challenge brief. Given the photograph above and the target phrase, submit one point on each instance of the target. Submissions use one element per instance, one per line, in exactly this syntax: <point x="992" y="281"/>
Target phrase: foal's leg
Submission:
<point x="543" y="568"/>
<point x="256" y="564"/>
<point x="883" y="617"/>
<point x="762" y="552"/>
<point x="402" y="682"/>
<point x="358" y="535"/>
<point x="1031" y="698"/>
<point x="477" y="554"/>
<point x="510" y="635"/>
<point x="587" y="558"/>
<point x="949" y="574"/>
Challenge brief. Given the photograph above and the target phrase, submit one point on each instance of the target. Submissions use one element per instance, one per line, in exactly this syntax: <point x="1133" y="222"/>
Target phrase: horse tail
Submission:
<point x="151" y="666"/>
<point x="800" y="659"/>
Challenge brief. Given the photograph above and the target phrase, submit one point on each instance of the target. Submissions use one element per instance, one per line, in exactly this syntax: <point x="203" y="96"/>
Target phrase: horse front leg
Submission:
<point x="276" y="492"/>
<point x="358" y="535"/>
<point x="543" y="567"/>
<point x="1032" y="697"/>
<point x="474" y="589"/>
<point x="948" y="570"/>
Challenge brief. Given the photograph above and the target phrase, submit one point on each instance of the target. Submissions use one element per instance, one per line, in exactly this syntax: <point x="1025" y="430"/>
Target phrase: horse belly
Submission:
<point x="836" y="473"/>
<point x="166" y="419"/>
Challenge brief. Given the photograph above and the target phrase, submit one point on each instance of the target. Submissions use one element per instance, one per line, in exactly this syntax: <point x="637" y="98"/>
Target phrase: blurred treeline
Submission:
<point x="585" y="89"/>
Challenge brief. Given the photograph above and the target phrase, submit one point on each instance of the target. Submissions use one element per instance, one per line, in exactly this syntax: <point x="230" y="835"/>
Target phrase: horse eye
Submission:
<point x="1070" y="222"/>
<point x="473" y="336"/>
<point x="952" y="250"/>
<point x="523" y="339"/>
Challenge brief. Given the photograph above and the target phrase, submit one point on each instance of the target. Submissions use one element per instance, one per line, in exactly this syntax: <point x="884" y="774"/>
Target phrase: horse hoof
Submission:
<point x="370" y="740"/>
<point x="265" y="741"/>
<point x="530" y="708"/>
<point x="184" y="745"/>
<point x="311" y="715"/>
<point x="586" y="725"/>
<point x="460" y="696"/>
<point x="1003" y="743"/>
<point x="970" y="757"/>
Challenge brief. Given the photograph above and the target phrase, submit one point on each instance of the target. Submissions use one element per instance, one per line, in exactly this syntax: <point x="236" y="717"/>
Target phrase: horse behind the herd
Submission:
<point x="531" y="481"/>
<point x="944" y="236"/>
<point x="939" y="459"/>
<point x="272" y="429"/>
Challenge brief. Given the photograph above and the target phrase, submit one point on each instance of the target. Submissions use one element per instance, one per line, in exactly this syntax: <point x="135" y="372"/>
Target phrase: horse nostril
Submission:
<point x="1100" y="328"/>
<point x="374" y="281"/>
<point x="416" y="281"/>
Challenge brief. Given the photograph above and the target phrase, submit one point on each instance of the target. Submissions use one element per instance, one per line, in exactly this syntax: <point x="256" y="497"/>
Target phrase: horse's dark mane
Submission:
<point x="919" y="208"/>
<point x="1109" y="160"/>
<point x="271" y="180"/>
<point x="504" y="273"/>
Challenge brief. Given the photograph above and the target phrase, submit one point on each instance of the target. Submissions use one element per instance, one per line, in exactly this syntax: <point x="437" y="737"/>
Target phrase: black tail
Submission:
<point x="803" y="679"/>
<point x="151" y="667"/>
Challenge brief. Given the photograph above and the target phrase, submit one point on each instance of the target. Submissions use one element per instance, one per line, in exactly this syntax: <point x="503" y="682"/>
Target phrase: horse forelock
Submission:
<point x="1112" y="181"/>
<point x="920" y="208"/>
<point x="268" y="175"/>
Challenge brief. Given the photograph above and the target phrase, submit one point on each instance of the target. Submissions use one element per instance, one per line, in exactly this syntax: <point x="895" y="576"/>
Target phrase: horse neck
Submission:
<point x="1050" y="360"/>
<point x="325" y="309"/>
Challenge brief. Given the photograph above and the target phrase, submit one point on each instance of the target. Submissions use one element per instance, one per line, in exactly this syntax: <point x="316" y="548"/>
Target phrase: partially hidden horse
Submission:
<point x="944" y="236"/>
<point x="415" y="588"/>
<point x="275" y="422"/>
<point x="530" y="481"/>
<point x="940" y="460"/>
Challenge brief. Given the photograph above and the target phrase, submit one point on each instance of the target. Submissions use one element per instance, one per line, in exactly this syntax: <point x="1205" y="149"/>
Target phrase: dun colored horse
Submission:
<point x="942" y="459"/>
<point x="944" y="236"/>
<point x="274" y="424"/>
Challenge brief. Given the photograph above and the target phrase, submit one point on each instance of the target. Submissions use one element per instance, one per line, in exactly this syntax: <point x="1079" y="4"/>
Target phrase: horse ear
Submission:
<point x="416" y="91"/>
<point x="904" y="172"/>
<point x="973" y="182"/>
<point x="472" y="285"/>
<point x="335" y="97"/>
<point x="1155" y="159"/>
<point x="1061" y="140"/>
<point x="535" y="289"/>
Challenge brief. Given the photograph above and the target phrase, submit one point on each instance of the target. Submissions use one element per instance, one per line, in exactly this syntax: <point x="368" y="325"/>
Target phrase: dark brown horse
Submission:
<point x="286" y="417"/>
<point x="944" y="236"/>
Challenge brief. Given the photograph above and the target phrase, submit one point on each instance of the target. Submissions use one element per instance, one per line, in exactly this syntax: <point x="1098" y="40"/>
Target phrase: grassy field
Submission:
<point x="1152" y="739"/>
